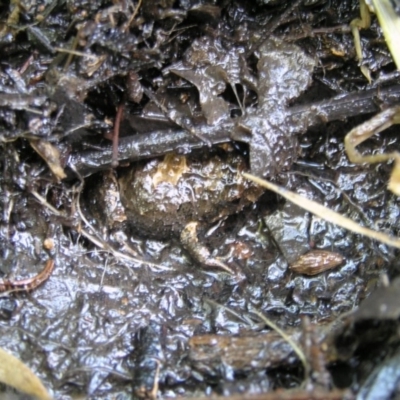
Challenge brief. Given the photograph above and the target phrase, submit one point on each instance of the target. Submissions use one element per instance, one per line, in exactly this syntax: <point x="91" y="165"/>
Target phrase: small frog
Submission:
<point x="170" y="197"/>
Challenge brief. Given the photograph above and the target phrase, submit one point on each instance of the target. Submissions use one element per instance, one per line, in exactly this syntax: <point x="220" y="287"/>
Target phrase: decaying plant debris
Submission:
<point x="88" y="85"/>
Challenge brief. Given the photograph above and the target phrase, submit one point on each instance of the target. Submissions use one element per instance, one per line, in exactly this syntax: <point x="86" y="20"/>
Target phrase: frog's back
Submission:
<point x="164" y="195"/>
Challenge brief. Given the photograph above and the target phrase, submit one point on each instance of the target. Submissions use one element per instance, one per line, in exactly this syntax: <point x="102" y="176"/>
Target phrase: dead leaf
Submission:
<point x="16" y="374"/>
<point x="51" y="155"/>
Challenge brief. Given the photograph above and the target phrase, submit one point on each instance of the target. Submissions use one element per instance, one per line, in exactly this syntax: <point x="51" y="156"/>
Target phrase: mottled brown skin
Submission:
<point x="210" y="188"/>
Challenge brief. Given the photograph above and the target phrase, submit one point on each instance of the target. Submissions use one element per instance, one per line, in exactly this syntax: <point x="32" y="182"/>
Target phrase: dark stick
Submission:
<point x="141" y="146"/>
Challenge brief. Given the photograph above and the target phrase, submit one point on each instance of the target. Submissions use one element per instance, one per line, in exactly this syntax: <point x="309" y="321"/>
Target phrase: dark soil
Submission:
<point x="124" y="315"/>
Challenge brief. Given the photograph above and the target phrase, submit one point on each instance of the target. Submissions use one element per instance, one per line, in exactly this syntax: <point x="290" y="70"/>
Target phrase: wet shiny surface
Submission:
<point x="103" y="317"/>
<point x="83" y="320"/>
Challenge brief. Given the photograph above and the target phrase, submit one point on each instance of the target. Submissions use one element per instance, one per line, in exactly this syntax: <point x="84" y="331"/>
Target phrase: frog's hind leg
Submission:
<point x="199" y="251"/>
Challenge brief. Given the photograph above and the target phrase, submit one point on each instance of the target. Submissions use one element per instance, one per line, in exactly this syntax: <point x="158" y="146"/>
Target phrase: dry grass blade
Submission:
<point x="325" y="213"/>
<point x="390" y="24"/>
<point x="286" y="337"/>
<point x="16" y="374"/>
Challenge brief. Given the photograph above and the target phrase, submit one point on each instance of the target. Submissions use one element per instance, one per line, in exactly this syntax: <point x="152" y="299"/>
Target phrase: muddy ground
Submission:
<point x="131" y="314"/>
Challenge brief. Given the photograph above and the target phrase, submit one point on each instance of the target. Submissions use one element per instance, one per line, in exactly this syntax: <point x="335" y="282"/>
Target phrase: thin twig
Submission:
<point x="76" y="53"/>
<point x="115" y="138"/>
<point x="132" y="17"/>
